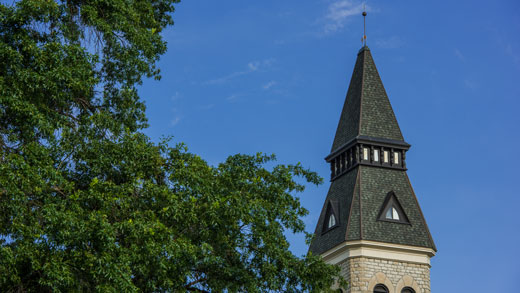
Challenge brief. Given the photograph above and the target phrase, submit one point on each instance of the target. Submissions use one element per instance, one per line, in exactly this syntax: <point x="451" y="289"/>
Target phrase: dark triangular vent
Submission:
<point x="392" y="211"/>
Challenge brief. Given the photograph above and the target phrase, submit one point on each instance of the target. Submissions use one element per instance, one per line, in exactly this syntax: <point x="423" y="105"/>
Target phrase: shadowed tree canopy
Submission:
<point x="90" y="203"/>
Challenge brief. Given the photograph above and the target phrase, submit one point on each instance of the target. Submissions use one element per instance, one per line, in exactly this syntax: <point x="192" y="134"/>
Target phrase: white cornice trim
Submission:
<point x="375" y="249"/>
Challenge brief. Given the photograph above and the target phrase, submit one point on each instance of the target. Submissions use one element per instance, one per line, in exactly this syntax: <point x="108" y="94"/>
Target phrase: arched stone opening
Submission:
<point x="407" y="281"/>
<point x="380" y="278"/>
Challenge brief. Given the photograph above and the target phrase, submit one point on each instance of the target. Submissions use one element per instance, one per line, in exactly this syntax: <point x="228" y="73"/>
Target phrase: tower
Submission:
<point x="371" y="224"/>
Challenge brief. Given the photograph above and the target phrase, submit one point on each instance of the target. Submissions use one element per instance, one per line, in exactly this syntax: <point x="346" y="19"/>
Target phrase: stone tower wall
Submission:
<point x="364" y="273"/>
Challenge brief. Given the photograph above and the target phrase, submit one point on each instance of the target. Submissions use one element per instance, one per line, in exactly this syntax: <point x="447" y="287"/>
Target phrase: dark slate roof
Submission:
<point x="375" y="184"/>
<point x="340" y="190"/>
<point x="367" y="110"/>
<point x="360" y="193"/>
<point x="369" y="186"/>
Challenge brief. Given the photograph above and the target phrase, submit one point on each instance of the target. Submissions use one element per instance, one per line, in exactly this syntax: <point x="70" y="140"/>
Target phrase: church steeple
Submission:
<point x="371" y="205"/>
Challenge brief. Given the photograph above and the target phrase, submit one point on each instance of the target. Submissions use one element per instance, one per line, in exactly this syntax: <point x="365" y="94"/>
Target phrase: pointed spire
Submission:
<point x="367" y="110"/>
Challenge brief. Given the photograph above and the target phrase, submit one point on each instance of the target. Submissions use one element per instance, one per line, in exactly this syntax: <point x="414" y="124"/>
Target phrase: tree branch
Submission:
<point x="190" y="288"/>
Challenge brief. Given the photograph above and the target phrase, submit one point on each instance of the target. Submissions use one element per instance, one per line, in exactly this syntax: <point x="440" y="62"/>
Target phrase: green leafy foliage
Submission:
<point x="89" y="203"/>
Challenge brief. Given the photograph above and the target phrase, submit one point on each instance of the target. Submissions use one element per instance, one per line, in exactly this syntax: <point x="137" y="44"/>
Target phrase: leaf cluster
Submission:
<point x="89" y="203"/>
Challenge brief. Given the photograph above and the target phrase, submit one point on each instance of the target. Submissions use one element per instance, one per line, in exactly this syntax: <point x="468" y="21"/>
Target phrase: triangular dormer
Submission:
<point x="392" y="211"/>
<point x="331" y="216"/>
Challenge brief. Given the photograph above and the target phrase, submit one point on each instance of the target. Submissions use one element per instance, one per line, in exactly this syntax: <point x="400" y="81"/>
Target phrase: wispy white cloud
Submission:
<point x="252" y="66"/>
<point x="269" y="85"/>
<point x="503" y="41"/>
<point x="339" y="12"/>
<point x="511" y="52"/>
<point x="459" y="55"/>
<point x="232" y="97"/>
<point x="208" y="106"/>
<point x="175" y="121"/>
<point x="393" y="42"/>
<point x="176" y="96"/>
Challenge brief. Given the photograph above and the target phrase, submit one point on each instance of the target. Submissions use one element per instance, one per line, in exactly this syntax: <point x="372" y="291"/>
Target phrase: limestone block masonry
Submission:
<point x="364" y="273"/>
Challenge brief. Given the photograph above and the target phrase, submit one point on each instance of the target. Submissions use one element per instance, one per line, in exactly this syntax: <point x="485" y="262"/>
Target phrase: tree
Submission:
<point x="90" y="203"/>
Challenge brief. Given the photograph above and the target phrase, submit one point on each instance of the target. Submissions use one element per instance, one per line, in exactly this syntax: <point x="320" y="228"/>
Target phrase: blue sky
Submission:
<point x="271" y="76"/>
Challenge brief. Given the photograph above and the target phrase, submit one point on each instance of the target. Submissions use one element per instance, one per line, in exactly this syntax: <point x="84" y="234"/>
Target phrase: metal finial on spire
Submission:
<point x="364" y="40"/>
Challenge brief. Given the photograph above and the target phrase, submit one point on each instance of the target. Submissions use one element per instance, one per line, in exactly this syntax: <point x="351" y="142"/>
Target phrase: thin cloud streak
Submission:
<point x="232" y="97"/>
<point x="175" y="121"/>
<point x="176" y="96"/>
<point x="393" y="42"/>
<point x="269" y="85"/>
<point x="252" y="66"/>
<point x="339" y="12"/>
<point x="459" y="55"/>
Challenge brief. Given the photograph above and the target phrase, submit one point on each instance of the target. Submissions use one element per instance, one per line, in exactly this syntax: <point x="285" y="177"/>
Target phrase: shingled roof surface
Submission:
<point x="361" y="192"/>
<point x="367" y="110"/>
<point x="341" y="191"/>
<point x="375" y="184"/>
